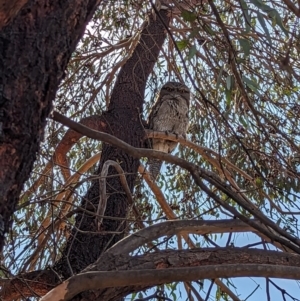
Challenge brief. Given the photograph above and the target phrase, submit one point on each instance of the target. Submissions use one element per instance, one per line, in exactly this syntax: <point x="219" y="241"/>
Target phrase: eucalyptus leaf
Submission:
<point x="272" y="13"/>
<point x="229" y="80"/>
<point x="251" y="84"/>
<point x="219" y="78"/>
<point x="192" y="52"/>
<point x="182" y="44"/>
<point x="264" y="26"/>
<point x="245" y="45"/>
<point x="188" y="16"/>
<point x="246" y="16"/>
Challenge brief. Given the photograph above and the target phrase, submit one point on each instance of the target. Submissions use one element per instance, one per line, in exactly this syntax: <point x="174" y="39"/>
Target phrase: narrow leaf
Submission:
<point x="264" y="26"/>
<point x="192" y="52"/>
<point x="246" y="15"/>
<point x="272" y="12"/>
<point x="228" y="95"/>
<point x="208" y="29"/>
<point x="275" y="16"/>
<point x="229" y="82"/>
<point x="219" y="78"/>
<point x="182" y="44"/>
<point x="251" y="84"/>
<point x="245" y="45"/>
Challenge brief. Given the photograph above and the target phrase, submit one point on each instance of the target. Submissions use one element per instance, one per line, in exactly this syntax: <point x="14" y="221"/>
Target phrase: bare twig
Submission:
<point x="102" y="181"/>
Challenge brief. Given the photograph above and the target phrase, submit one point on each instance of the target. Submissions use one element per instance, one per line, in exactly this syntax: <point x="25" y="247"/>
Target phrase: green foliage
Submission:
<point x="188" y="16"/>
<point x="272" y="13"/>
<point x="245" y="44"/>
<point x="182" y="44"/>
<point x="255" y="139"/>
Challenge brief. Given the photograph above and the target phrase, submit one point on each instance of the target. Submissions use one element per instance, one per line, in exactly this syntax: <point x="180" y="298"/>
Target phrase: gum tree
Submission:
<point x="235" y="172"/>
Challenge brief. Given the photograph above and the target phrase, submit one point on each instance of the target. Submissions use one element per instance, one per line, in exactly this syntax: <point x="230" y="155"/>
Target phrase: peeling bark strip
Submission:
<point x="34" y="51"/>
<point x="122" y="120"/>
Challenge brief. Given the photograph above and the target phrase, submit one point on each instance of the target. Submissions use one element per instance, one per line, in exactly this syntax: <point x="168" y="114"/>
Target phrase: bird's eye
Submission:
<point x="169" y="89"/>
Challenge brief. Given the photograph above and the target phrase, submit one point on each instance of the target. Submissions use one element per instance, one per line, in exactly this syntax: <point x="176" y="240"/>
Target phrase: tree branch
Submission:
<point x="167" y="266"/>
<point x="169" y="228"/>
<point x="46" y="280"/>
<point x="197" y="174"/>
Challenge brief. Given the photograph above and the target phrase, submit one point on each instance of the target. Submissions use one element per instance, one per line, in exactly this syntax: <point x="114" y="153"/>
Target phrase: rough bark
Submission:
<point x="183" y="258"/>
<point x="9" y="9"/>
<point x="35" y="49"/>
<point x="36" y="283"/>
<point x="167" y="259"/>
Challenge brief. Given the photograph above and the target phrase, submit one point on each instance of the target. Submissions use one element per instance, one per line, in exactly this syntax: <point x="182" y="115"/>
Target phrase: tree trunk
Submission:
<point x="123" y="120"/>
<point x="9" y="9"/>
<point x="34" y="51"/>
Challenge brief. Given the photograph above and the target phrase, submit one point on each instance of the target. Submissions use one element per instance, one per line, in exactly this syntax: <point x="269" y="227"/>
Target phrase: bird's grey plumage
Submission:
<point x="169" y="114"/>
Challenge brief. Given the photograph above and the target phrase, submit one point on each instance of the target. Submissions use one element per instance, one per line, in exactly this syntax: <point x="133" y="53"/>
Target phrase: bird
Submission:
<point x="169" y="114"/>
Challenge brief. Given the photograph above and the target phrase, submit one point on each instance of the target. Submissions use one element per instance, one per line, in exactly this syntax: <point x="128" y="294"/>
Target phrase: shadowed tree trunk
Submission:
<point x="123" y="120"/>
<point x="9" y="9"/>
<point x="35" y="48"/>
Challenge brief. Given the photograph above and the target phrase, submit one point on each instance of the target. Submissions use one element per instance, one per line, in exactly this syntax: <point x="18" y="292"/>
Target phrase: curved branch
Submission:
<point x="169" y="228"/>
<point x="163" y="260"/>
<point x="148" y="277"/>
<point x="292" y="7"/>
<point x="103" y="196"/>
